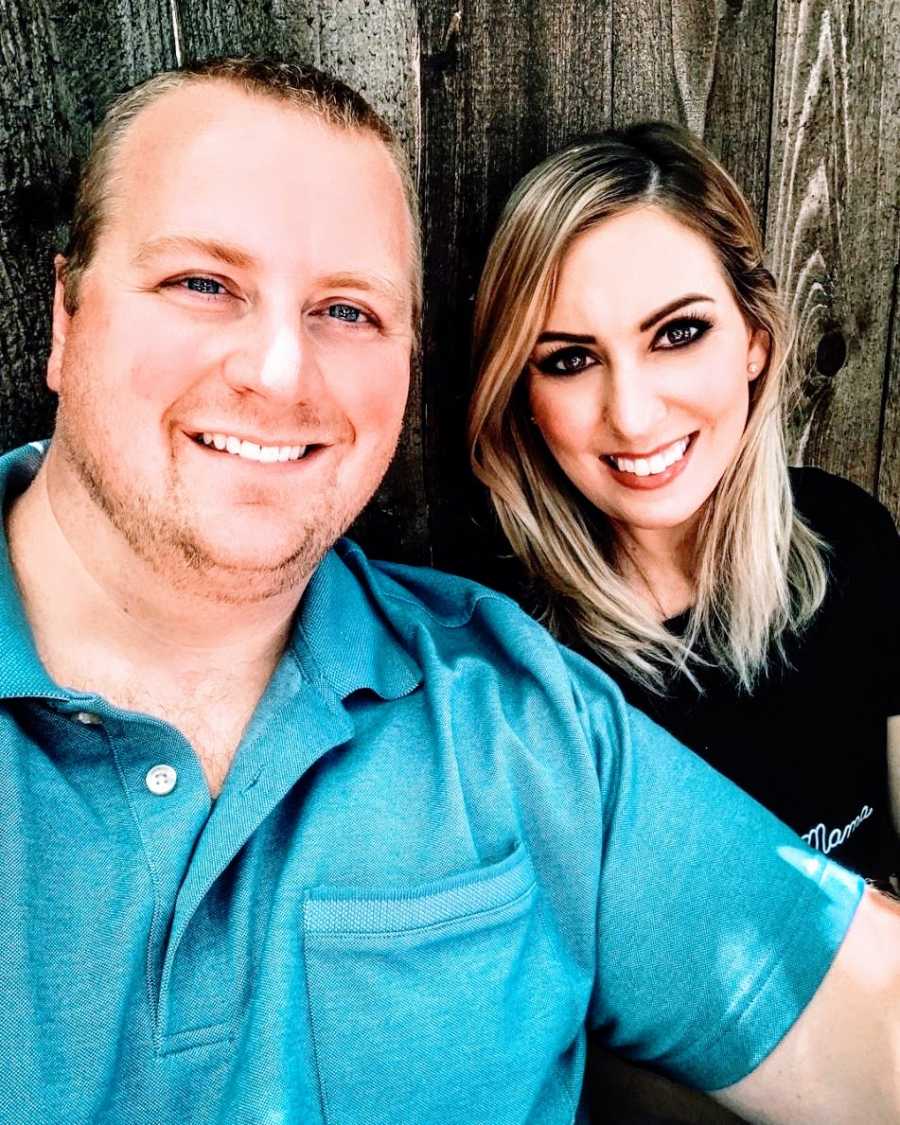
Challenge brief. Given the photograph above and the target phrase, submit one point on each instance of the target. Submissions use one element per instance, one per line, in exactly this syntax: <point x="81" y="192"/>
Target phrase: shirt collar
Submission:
<point x="21" y="672"/>
<point x="342" y="634"/>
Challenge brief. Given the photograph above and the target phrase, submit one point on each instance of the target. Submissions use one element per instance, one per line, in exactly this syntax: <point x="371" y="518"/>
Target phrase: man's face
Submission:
<point x="232" y="384"/>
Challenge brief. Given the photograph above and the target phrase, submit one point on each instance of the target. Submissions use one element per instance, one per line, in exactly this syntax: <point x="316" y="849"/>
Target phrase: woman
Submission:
<point x="633" y="361"/>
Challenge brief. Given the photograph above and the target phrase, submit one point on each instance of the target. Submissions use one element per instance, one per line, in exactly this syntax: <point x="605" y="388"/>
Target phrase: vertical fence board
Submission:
<point x="889" y="190"/>
<point x="710" y="68"/>
<point x="889" y="464"/>
<point x="60" y="63"/>
<point x="833" y="218"/>
<point x="502" y="86"/>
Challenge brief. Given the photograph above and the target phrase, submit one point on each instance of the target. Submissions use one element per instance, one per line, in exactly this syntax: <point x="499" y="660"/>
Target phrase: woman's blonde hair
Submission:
<point x="759" y="570"/>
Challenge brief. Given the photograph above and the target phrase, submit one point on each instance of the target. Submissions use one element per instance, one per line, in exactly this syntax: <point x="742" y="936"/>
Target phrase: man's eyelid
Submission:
<point x="362" y="307"/>
<point x="179" y="279"/>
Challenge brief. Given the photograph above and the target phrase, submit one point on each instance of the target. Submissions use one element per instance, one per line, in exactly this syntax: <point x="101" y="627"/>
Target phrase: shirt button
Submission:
<point x="87" y="718"/>
<point x="161" y="779"/>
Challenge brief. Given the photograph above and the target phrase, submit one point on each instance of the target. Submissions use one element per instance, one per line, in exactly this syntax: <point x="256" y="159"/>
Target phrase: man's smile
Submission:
<point x="253" y="450"/>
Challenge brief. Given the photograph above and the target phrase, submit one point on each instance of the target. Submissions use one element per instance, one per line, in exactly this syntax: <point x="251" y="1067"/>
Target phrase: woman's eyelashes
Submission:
<point x="678" y="333"/>
<point x="565" y="361"/>
<point x="681" y="332"/>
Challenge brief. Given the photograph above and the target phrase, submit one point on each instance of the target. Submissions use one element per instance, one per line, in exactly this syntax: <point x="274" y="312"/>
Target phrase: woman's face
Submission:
<point x="639" y="380"/>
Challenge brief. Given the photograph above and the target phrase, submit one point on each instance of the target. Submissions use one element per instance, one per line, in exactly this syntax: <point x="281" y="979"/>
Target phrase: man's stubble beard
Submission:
<point x="170" y="546"/>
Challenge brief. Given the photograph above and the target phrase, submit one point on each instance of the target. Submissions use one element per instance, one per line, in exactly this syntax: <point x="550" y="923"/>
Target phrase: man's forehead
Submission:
<point x="244" y="169"/>
<point x="203" y="111"/>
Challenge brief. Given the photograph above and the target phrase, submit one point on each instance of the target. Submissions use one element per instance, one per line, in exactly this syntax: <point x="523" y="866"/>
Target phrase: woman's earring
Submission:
<point x="753" y="368"/>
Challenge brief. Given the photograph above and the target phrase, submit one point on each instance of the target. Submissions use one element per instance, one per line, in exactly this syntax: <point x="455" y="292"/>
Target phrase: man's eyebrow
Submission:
<point x="368" y="283"/>
<point x="678" y="303"/>
<point x="211" y="247"/>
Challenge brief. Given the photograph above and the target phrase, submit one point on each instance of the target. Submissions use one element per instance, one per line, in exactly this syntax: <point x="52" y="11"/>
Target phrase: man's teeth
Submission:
<point x="650" y="466"/>
<point x="250" y="451"/>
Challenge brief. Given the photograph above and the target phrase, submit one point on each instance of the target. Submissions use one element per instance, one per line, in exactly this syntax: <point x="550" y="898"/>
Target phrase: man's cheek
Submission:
<point x="164" y="367"/>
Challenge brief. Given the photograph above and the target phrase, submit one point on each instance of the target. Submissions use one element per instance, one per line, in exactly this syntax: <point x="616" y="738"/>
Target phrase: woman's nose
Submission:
<point x="632" y="408"/>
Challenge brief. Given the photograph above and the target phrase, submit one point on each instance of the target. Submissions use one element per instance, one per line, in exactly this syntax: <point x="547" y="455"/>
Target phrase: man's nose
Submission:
<point x="632" y="406"/>
<point x="271" y="358"/>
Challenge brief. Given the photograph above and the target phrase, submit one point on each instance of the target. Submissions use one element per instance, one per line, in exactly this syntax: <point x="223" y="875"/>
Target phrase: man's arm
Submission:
<point x="840" y="1062"/>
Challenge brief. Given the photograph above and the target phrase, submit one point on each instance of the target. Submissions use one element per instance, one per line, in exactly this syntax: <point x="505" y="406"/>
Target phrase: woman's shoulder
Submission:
<point x="837" y="509"/>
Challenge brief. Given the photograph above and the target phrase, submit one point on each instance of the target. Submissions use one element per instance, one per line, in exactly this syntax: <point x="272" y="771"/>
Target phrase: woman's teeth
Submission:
<point x="650" y="466"/>
<point x="250" y="451"/>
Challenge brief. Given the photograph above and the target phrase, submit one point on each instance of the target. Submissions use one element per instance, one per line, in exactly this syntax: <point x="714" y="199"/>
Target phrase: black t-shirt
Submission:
<point x="810" y="742"/>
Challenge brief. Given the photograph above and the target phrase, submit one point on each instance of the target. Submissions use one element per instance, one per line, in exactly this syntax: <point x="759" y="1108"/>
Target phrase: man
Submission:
<point x="293" y="837"/>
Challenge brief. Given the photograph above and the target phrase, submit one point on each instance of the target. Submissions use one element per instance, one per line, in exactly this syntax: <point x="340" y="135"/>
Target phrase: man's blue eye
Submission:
<point x="204" y="285"/>
<point x="345" y="312"/>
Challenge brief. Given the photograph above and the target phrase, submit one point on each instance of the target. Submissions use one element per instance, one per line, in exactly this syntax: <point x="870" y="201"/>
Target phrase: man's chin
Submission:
<point x="257" y="568"/>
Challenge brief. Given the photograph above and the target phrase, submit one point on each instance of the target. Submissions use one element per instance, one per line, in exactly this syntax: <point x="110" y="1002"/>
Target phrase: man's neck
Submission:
<point x="105" y="622"/>
<point x="70" y="585"/>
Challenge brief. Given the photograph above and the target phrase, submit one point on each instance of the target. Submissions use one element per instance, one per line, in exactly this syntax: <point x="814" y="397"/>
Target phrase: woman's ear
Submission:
<point x="758" y="348"/>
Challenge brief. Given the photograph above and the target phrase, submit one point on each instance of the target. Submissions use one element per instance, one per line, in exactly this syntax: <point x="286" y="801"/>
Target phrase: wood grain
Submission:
<point x="888" y="489"/>
<point x="61" y="62"/>
<point x="833" y="219"/>
<point x="710" y="69"/>
<point x="503" y="84"/>
<point x="889" y="460"/>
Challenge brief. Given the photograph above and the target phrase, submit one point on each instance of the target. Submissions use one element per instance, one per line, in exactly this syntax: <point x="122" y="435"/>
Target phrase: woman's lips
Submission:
<point x="650" y="480"/>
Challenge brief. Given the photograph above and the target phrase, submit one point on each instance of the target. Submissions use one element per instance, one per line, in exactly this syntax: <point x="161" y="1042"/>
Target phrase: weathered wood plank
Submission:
<point x="60" y="63"/>
<point x="833" y="219"/>
<point x="374" y="47"/>
<point x="503" y="84"/>
<point x="888" y="490"/>
<point x="889" y="173"/>
<point x="706" y="64"/>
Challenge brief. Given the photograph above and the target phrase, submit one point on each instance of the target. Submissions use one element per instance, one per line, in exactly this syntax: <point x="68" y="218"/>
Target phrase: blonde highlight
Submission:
<point x="759" y="570"/>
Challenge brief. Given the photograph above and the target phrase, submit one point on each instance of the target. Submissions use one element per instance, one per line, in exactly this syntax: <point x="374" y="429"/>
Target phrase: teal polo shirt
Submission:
<point x="445" y="849"/>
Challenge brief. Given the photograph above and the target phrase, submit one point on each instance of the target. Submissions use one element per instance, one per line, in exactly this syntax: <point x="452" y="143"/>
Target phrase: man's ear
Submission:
<point x="61" y="321"/>
<point x="758" y="349"/>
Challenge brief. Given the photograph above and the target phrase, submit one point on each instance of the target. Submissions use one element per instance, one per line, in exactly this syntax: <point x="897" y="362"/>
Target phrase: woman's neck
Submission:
<point x="659" y="566"/>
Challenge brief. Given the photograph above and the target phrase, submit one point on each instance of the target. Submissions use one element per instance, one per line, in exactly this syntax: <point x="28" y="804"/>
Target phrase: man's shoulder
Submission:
<point x="458" y="613"/>
<point x="446" y="600"/>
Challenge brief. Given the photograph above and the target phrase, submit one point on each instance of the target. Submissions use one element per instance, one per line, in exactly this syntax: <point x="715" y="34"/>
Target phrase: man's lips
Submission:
<point x="255" y="449"/>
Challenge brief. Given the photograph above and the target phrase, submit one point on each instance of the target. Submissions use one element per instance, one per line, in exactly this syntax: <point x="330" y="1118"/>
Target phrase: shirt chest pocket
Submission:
<point x="441" y="1004"/>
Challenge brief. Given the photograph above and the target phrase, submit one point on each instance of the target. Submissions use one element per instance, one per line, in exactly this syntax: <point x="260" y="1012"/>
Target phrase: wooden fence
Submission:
<point x="800" y="98"/>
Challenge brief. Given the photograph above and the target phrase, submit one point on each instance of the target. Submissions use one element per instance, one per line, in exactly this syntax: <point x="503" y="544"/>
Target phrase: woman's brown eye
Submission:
<point x="682" y="332"/>
<point x="568" y="361"/>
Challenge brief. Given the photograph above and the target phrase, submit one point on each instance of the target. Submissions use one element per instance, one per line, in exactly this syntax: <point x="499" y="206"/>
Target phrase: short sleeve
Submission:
<point x="716" y="923"/>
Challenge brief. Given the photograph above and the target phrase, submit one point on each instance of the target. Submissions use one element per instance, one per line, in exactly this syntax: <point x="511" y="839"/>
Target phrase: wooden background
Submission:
<point x="800" y="98"/>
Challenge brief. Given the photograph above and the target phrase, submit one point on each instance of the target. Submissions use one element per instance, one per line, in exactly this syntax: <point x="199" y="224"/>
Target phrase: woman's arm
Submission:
<point x="841" y="1059"/>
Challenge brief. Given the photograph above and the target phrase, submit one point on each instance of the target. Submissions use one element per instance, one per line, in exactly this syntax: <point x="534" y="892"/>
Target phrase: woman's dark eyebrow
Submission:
<point x="566" y="337"/>
<point x="656" y="317"/>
